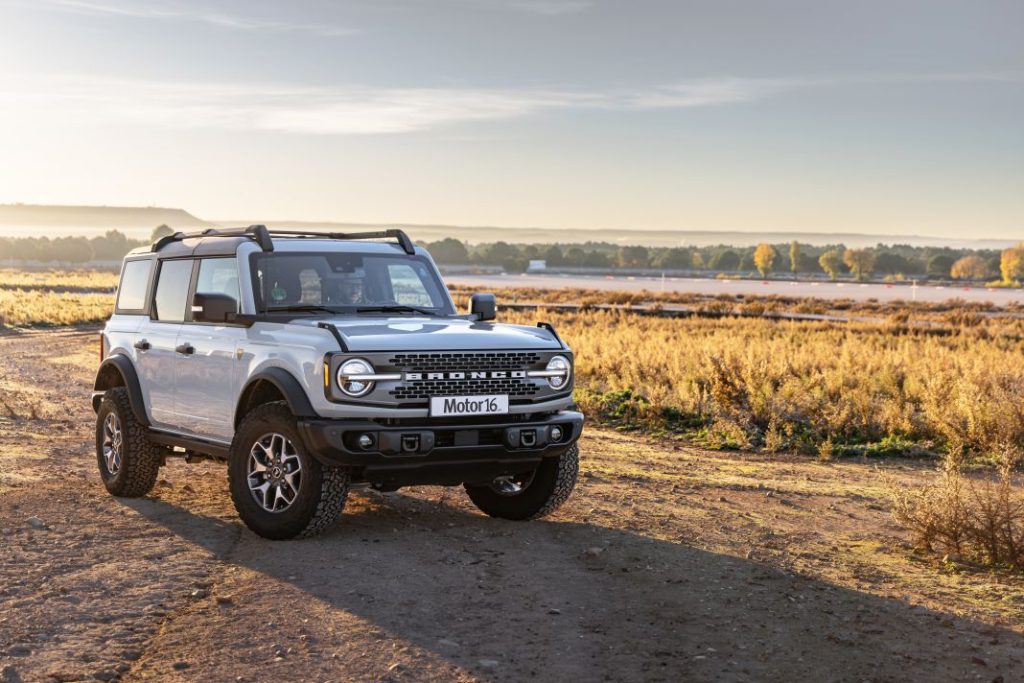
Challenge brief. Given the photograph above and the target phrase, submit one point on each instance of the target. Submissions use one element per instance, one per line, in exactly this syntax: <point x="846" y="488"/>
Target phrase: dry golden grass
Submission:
<point x="796" y="386"/>
<point x="58" y="279"/>
<point x="21" y="307"/>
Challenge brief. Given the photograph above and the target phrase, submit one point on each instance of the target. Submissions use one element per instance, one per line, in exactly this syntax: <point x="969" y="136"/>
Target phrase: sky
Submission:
<point x="880" y="117"/>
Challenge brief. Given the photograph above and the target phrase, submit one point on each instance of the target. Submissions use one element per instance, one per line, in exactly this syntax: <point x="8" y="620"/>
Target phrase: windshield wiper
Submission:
<point x="303" y="308"/>
<point x="395" y="308"/>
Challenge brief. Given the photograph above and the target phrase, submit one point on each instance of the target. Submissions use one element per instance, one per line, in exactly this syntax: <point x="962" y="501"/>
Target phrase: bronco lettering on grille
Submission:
<point x="495" y="374"/>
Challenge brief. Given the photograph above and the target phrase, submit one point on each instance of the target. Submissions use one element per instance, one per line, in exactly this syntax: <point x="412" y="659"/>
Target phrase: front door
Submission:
<point x="206" y="376"/>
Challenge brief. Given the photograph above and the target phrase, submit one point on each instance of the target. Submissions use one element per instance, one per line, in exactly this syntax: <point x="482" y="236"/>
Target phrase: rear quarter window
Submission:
<point x="134" y="286"/>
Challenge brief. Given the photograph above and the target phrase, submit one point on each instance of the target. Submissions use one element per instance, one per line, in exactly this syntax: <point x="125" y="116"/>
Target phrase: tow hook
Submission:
<point x="410" y="443"/>
<point x="528" y="438"/>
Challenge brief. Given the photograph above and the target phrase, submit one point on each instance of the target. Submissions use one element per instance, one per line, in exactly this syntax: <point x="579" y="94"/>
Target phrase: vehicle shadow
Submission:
<point x="554" y="600"/>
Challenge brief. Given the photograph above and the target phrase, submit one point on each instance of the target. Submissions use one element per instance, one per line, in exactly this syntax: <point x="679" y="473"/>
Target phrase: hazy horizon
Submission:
<point x="19" y="220"/>
<point x="871" y="118"/>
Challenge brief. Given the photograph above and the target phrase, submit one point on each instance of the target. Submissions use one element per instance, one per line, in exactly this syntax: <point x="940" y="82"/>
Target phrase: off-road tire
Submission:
<point x="140" y="457"/>
<point x="322" y="489"/>
<point x="551" y="485"/>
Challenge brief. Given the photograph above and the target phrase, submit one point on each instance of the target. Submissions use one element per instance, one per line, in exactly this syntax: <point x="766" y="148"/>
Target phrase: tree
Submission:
<point x="725" y="260"/>
<point x="553" y="256"/>
<point x="764" y="257"/>
<point x="596" y="259"/>
<point x="505" y="255"/>
<point x="830" y="262"/>
<point x="940" y="265"/>
<point x="1011" y="264"/>
<point x="891" y="263"/>
<point x="111" y="246"/>
<point x="860" y="261"/>
<point x="698" y="260"/>
<point x="632" y="257"/>
<point x="449" y="251"/>
<point x="794" y="256"/>
<point x="160" y="231"/>
<point x="676" y="258"/>
<point x="969" y="268"/>
<point x="575" y="256"/>
<point x="71" y="250"/>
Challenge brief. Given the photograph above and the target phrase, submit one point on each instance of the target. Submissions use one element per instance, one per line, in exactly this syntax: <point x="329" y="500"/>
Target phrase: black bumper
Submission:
<point x="432" y="452"/>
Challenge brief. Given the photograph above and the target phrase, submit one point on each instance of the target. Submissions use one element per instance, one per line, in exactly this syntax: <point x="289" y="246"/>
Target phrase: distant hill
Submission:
<point x="138" y="222"/>
<point x="34" y="219"/>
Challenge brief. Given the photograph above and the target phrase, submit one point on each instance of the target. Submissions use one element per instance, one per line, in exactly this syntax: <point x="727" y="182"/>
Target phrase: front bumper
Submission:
<point x="440" y="452"/>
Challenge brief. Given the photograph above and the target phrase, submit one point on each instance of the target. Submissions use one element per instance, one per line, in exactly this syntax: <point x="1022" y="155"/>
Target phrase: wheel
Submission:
<point x="530" y="495"/>
<point x="279" y="490"/>
<point x="128" y="461"/>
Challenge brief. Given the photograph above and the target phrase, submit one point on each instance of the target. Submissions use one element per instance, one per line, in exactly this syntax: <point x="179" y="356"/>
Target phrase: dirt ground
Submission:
<point x="667" y="564"/>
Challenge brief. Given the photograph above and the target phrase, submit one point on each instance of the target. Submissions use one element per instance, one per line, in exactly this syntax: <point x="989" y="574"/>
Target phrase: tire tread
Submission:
<point x="140" y="459"/>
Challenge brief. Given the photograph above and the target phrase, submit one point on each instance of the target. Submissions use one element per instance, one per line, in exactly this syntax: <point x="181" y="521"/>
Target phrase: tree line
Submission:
<point x="76" y="250"/>
<point x="897" y="261"/>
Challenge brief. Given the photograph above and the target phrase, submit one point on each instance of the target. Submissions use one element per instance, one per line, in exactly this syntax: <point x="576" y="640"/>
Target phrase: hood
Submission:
<point x="427" y="333"/>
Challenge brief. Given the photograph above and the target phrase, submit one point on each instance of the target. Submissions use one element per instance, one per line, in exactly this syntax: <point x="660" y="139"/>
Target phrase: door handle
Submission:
<point x="185" y="348"/>
<point x="142" y="345"/>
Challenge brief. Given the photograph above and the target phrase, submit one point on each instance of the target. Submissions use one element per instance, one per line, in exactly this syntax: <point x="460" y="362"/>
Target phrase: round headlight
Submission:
<point x="348" y="377"/>
<point x="561" y="365"/>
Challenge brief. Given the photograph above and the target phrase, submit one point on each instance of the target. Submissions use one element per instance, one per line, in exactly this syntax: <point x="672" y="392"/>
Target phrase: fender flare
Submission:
<point x="129" y="378"/>
<point x="285" y="382"/>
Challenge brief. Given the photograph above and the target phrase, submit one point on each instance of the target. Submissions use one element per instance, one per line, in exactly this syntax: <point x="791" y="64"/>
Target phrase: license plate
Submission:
<point x="451" y="406"/>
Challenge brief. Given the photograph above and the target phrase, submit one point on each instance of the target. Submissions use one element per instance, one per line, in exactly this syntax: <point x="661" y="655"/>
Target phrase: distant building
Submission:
<point x="537" y="264"/>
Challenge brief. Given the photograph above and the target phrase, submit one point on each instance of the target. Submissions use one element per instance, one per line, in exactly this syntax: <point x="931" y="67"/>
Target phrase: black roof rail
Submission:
<point x="403" y="239"/>
<point x="257" y="232"/>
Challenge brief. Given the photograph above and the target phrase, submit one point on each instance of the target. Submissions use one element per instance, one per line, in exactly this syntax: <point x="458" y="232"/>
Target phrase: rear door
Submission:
<point x="207" y="380"/>
<point x="157" y="343"/>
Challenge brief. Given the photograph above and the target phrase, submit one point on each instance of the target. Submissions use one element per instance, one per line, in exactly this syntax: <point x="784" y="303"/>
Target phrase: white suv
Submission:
<point x="312" y="361"/>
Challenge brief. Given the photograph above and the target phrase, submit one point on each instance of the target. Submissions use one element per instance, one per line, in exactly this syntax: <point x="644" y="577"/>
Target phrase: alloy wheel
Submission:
<point x="113" y="443"/>
<point x="274" y="472"/>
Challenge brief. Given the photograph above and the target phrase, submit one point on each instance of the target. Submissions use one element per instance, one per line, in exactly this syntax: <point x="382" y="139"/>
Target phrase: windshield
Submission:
<point x="343" y="282"/>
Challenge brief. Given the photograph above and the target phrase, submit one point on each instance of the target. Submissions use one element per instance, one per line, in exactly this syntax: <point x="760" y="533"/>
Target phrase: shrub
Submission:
<point x="979" y="520"/>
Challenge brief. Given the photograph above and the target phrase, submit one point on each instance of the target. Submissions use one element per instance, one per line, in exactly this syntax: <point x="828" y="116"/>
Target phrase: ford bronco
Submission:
<point x="310" y="362"/>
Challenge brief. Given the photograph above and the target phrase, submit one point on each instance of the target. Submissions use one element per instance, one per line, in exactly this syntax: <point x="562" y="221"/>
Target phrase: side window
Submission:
<point x="131" y="292"/>
<point x="219" y="276"/>
<point x="407" y="286"/>
<point x="172" y="290"/>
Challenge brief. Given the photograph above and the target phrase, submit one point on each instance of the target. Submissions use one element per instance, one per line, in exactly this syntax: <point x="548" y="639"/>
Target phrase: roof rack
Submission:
<point x="403" y="239"/>
<point x="257" y="232"/>
<point x="262" y="236"/>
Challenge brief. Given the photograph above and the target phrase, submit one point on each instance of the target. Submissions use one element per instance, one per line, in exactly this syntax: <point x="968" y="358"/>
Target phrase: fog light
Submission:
<point x="556" y="433"/>
<point x="365" y="441"/>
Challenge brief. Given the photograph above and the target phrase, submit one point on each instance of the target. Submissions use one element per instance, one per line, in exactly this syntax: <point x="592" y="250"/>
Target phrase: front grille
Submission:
<point x="472" y="360"/>
<point x="425" y="389"/>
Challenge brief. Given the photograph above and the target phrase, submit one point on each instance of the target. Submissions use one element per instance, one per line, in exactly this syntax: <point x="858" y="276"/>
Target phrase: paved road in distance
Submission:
<point x="708" y="286"/>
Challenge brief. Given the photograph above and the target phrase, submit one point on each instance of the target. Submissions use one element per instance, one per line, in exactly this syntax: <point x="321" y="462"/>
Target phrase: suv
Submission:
<point x="313" y="361"/>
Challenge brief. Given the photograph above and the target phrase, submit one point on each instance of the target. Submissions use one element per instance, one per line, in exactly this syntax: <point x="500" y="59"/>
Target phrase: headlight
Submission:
<point x="561" y="370"/>
<point x="355" y="377"/>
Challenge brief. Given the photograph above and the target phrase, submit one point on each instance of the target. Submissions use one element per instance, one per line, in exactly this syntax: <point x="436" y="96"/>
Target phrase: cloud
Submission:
<point x="363" y="110"/>
<point x="177" y="11"/>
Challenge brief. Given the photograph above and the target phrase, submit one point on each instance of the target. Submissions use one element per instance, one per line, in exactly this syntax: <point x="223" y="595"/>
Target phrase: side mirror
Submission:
<point x="483" y="307"/>
<point x="214" y="308"/>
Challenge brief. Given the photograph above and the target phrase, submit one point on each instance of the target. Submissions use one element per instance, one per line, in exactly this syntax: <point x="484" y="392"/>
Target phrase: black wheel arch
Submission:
<point x="269" y="385"/>
<point x="118" y="371"/>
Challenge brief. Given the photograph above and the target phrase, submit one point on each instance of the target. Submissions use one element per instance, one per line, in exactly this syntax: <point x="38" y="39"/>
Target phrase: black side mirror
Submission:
<point x="483" y="307"/>
<point x="214" y="308"/>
